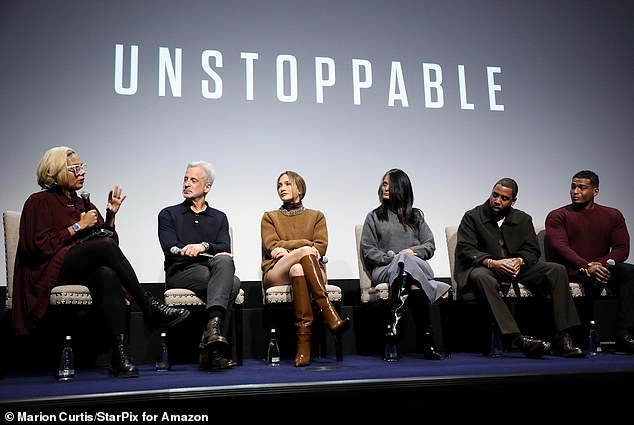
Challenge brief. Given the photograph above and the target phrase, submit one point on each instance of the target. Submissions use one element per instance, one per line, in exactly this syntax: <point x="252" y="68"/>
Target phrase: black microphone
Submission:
<point x="85" y="196"/>
<point x="176" y="250"/>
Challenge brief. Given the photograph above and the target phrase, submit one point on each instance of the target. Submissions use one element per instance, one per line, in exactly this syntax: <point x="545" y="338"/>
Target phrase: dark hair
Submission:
<point x="401" y="199"/>
<point x="590" y="175"/>
<point x="510" y="183"/>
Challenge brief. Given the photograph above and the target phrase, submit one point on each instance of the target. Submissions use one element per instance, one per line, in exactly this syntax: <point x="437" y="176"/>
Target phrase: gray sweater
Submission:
<point x="379" y="237"/>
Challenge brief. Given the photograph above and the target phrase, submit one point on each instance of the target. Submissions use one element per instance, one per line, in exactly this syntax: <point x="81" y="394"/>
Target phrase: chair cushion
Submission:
<point x="284" y="294"/>
<point x="185" y="297"/>
<point x="524" y="292"/>
<point x="70" y="295"/>
<point x="382" y="291"/>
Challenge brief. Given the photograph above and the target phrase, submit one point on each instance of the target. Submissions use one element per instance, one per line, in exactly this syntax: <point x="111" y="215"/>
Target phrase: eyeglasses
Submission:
<point x="77" y="168"/>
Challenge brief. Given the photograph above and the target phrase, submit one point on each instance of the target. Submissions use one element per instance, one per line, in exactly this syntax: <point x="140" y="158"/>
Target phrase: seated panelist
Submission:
<point x="64" y="239"/>
<point x="294" y="239"/>
<point x="197" y="247"/>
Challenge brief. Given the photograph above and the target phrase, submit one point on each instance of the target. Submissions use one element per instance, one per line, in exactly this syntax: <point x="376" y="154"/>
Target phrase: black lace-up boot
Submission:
<point x="157" y="313"/>
<point x="121" y="364"/>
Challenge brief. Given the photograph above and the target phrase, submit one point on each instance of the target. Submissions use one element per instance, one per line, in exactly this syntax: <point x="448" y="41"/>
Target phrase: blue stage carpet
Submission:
<point x="255" y="373"/>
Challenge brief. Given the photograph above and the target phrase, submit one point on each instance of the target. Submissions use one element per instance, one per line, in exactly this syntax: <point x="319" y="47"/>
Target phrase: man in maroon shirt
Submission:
<point x="592" y="241"/>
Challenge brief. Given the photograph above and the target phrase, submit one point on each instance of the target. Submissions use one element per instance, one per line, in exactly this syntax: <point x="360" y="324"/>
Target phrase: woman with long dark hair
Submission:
<point x="396" y="243"/>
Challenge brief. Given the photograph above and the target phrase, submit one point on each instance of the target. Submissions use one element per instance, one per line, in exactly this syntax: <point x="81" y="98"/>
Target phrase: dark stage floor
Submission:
<point x="461" y="388"/>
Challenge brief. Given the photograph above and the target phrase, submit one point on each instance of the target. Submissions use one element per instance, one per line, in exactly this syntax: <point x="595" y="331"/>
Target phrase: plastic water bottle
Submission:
<point x="162" y="359"/>
<point x="66" y="369"/>
<point x="594" y="342"/>
<point x="273" y="352"/>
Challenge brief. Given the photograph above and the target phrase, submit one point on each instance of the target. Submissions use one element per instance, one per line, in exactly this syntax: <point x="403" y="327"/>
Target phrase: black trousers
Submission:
<point x="622" y="284"/>
<point x="100" y="265"/>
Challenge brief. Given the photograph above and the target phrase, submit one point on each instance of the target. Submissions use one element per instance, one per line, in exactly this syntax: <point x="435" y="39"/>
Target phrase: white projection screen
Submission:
<point x="456" y="93"/>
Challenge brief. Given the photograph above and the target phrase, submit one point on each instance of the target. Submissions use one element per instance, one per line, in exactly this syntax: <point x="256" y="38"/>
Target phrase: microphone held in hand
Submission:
<point x="177" y="251"/>
<point x="85" y="196"/>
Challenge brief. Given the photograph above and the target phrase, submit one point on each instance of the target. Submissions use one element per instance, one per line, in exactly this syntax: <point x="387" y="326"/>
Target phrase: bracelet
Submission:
<point x="205" y="245"/>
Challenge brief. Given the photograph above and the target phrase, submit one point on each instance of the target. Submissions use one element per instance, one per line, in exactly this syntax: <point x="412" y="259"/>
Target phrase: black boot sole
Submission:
<point x="133" y="374"/>
<point x="432" y="355"/>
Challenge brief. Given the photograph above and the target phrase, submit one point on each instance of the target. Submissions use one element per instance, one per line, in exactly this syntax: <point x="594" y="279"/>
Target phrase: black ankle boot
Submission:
<point x="419" y="304"/>
<point x="429" y="350"/>
<point x="121" y="364"/>
<point x="213" y="339"/>
<point x="157" y="313"/>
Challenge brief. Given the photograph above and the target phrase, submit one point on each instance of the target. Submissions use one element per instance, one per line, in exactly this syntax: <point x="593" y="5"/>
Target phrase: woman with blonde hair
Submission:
<point x="64" y="238"/>
<point x="294" y="240"/>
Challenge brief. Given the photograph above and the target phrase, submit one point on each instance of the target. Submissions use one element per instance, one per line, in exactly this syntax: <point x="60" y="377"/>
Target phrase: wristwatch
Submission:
<point x="76" y="227"/>
<point x="206" y="245"/>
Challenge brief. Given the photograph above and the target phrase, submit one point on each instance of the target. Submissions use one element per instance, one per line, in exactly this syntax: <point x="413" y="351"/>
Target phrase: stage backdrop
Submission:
<point x="456" y="93"/>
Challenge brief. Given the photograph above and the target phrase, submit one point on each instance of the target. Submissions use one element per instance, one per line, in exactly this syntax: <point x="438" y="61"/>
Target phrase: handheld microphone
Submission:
<point x="610" y="263"/>
<point x="85" y="196"/>
<point x="176" y="250"/>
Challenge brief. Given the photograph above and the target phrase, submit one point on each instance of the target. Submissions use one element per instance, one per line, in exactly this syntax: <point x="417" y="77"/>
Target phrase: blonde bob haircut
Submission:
<point x="297" y="182"/>
<point x="51" y="170"/>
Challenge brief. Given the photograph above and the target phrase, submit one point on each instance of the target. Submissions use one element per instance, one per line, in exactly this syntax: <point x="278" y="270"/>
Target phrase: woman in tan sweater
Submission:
<point x="294" y="240"/>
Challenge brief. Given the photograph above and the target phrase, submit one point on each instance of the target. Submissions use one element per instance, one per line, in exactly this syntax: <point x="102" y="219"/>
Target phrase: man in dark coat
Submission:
<point x="497" y="244"/>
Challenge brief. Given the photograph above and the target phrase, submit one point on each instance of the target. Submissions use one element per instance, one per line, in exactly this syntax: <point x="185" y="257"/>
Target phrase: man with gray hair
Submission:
<point x="197" y="247"/>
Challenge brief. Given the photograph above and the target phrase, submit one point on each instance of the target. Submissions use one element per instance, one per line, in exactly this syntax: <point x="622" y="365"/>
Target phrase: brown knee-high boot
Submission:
<point x="303" y="319"/>
<point x="317" y="285"/>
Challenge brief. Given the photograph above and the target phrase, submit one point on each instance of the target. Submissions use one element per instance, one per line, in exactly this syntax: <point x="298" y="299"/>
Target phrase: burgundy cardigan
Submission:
<point x="43" y="244"/>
